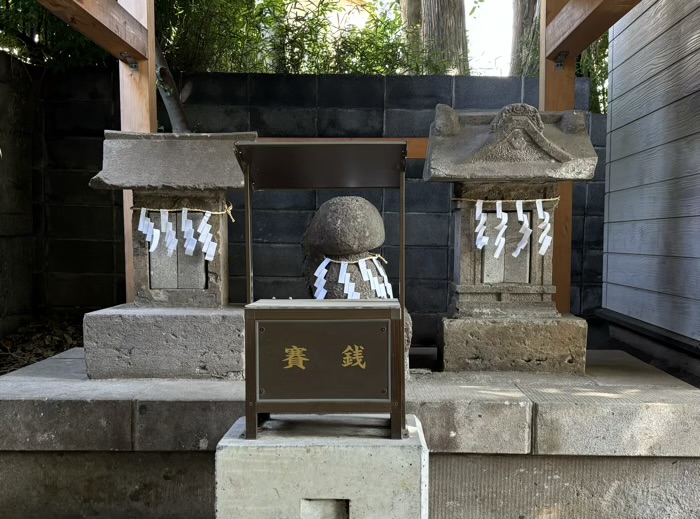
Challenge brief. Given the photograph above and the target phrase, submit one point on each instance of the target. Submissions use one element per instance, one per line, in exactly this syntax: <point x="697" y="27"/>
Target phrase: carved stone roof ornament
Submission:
<point x="516" y="144"/>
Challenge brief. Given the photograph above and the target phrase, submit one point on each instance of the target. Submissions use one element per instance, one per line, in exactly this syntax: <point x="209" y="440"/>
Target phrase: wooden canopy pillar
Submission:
<point x="125" y="29"/>
<point x="567" y="28"/>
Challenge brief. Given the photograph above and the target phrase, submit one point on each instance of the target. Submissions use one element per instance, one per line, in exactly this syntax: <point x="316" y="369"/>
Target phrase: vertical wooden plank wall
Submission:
<point x="651" y="269"/>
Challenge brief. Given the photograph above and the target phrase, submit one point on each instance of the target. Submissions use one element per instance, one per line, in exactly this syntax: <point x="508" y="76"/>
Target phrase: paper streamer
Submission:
<point x="149" y="230"/>
<point x="519" y="209"/>
<point x="500" y="242"/>
<point x="545" y="239"/>
<point x="499" y="209"/>
<point x="363" y="270"/>
<point x="204" y="222"/>
<point x="526" y="232"/>
<point x="387" y="286"/>
<point x="156" y="239"/>
<point x="142" y="220"/>
<point x="481" y="240"/>
<point x="211" y="252"/>
<point x="479" y="208"/>
<point x="343" y="271"/>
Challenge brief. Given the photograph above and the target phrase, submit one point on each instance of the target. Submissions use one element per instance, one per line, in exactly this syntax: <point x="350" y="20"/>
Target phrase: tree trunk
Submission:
<point x="411" y="12"/>
<point x="444" y="27"/>
<point x="525" y="54"/>
<point x="170" y="95"/>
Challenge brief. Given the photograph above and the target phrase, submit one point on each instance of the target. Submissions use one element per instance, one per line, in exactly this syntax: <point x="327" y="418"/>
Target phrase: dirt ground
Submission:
<point x="39" y="340"/>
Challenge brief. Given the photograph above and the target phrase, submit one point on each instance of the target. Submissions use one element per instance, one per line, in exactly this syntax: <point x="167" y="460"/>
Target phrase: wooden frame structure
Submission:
<point x="319" y="165"/>
<point x="125" y="28"/>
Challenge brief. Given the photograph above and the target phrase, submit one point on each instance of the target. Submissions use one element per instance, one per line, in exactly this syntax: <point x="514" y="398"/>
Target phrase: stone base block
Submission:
<point x="322" y="467"/>
<point x="550" y="345"/>
<point x="136" y="342"/>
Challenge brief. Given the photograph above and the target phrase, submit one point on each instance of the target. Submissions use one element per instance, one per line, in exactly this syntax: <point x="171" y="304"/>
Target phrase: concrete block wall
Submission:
<point x="79" y="241"/>
<point x="587" y="233"/>
<point x="79" y="245"/>
<point x="17" y="103"/>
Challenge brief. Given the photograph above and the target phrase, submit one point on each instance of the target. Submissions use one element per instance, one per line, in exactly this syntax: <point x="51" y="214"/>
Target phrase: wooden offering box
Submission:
<point x="333" y="356"/>
<point x="324" y="356"/>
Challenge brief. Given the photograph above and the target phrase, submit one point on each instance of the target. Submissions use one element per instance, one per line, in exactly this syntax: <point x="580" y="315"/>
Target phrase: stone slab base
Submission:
<point x="316" y="467"/>
<point x="547" y="345"/>
<point x="127" y="341"/>
<point x="106" y="485"/>
<point x="562" y="487"/>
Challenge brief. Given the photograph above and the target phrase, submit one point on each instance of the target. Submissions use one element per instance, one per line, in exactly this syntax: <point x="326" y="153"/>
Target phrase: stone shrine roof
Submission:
<point x="171" y="161"/>
<point x="516" y="144"/>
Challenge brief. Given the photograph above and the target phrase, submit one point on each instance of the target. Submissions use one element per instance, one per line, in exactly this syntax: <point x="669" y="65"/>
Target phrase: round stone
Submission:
<point x="345" y="225"/>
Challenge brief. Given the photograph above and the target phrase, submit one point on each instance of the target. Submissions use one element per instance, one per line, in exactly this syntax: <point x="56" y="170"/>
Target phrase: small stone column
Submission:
<point x="505" y="318"/>
<point x="180" y="324"/>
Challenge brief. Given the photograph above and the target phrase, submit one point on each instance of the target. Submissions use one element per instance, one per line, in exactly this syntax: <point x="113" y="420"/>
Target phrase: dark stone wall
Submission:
<point x="79" y="240"/>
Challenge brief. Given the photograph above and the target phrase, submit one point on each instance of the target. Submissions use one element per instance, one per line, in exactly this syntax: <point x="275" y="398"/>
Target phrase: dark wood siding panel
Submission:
<point x="656" y="274"/>
<point x="676" y="159"/>
<point x="675" y="198"/>
<point x="673" y="313"/>
<point x="670" y="85"/>
<point x="668" y="48"/>
<point x="669" y="237"/>
<point x="672" y="122"/>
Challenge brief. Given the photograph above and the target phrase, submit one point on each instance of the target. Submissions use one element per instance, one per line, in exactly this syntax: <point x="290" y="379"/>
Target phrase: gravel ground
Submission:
<point x="39" y="340"/>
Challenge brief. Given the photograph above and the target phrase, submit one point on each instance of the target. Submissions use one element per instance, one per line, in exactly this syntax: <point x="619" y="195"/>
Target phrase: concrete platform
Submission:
<point x="58" y="425"/>
<point x="322" y="467"/>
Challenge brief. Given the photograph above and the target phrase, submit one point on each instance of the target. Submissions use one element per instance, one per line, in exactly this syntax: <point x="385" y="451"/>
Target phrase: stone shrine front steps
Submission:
<point x="622" y="441"/>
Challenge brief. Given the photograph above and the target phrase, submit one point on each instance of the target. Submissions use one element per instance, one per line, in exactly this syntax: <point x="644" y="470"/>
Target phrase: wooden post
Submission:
<point x="137" y="99"/>
<point x="557" y="90"/>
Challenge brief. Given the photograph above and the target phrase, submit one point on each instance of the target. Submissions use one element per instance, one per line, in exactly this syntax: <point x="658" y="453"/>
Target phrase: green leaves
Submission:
<point x="246" y="36"/>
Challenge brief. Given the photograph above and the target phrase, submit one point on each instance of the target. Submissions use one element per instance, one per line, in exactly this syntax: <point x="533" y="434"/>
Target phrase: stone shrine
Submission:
<point x="506" y="167"/>
<point x="180" y="324"/>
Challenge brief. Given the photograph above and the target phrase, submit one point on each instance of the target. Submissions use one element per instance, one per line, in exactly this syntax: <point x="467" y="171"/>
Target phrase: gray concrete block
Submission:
<point x="281" y="288"/>
<point x="269" y="260"/>
<point x="414" y="168"/>
<point x="276" y="226"/>
<point x="595" y="198"/>
<point x="577" y="229"/>
<point x="421" y="197"/>
<point x="213" y="88"/>
<point x="418" y="92"/>
<point x="426" y="296"/>
<point x="204" y="411"/>
<point x="284" y="199"/>
<point x="600" y="166"/>
<point x="422" y="263"/>
<point x="576" y="265"/>
<point x="575" y="300"/>
<point x="554" y="345"/>
<point x="593" y="232"/>
<point x="80" y="118"/>
<point x="207" y="118"/>
<point x="615" y="421"/>
<point x="296" y="459"/>
<point x="460" y="416"/>
<point x="408" y="123"/>
<point x="618" y="368"/>
<point x="375" y="196"/>
<point x="80" y="291"/>
<point x="75" y="153"/>
<point x="592" y="271"/>
<point x="350" y="122"/>
<point x="76" y="222"/>
<point x="106" y="485"/>
<point x="422" y="229"/>
<point x="591" y="298"/>
<point x="284" y="90"/>
<point x="598" y="129"/>
<point x="579" y="198"/>
<point x="425" y="329"/>
<point x="481" y="92"/>
<point x="283" y="122"/>
<point x="139" y="342"/>
<point x="73" y="188"/>
<point x="350" y="91"/>
<point x="80" y="256"/>
<point x="498" y="487"/>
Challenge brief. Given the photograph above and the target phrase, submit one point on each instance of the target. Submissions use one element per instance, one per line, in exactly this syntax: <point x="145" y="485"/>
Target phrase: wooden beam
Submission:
<point x="581" y="22"/>
<point x="137" y="99"/>
<point x="557" y="91"/>
<point x="417" y="148"/>
<point x="105" y="22"/>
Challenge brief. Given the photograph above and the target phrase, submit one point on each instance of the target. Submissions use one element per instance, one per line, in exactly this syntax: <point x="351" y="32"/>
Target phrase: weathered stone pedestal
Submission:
<point x="180" y="325"/>
<point x="322" y="467"/>
<point x="505" y="318"/>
